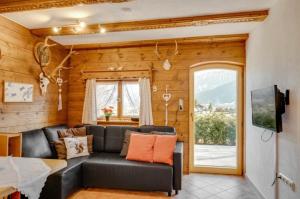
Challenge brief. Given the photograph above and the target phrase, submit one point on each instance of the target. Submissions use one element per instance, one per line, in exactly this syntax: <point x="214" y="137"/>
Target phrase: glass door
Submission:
<point x="216" y="118"/>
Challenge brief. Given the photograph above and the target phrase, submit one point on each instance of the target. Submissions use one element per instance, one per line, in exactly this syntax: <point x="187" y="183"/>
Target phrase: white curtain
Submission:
<point x="146" y="117"/>
<point x="89" y="115"/>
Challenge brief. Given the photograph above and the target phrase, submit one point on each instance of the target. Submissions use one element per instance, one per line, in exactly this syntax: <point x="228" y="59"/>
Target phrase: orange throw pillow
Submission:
<point x="164" y="147"/>
<point x="141" y="147"/>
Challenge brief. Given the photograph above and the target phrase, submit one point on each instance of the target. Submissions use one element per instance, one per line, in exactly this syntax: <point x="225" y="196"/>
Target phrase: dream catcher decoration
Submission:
<point x="42" y="55"/>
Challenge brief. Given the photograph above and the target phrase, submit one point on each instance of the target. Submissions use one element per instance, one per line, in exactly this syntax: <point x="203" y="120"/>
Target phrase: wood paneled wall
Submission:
<point x="17" y="64"/>
<point x="143" y="57"/>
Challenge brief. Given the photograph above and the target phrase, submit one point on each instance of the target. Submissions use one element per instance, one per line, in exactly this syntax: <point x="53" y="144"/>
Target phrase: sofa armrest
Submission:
<point x="178" y="166"/>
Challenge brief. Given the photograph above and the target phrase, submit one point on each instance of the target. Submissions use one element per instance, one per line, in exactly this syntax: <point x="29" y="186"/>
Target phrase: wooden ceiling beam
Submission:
<point x="25" y="5"/>
<point x="252" y="16"/>
<point x="187" y="40"/>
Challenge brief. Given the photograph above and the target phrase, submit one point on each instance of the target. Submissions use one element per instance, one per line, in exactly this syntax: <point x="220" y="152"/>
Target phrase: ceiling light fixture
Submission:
<point x="77" y="29"/>
<point x="102" y="30"/>
<point x="79" y="26"/>
<point x="56" y="29"/>
<point x="82" y="24"/>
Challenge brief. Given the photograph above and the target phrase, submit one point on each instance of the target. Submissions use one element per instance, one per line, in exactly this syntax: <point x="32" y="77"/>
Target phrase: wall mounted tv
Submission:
<point x="268" y="105"/>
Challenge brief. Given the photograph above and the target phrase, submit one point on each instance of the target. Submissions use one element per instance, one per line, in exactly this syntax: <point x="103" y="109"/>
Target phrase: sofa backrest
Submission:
<point x="98" y="136"/>
<point x="150" y="128"/>
<point x="114" y="136"/>
<point x="35" y="144"/>
<point x="39" y="143"/>
<point x="52" y="135"/>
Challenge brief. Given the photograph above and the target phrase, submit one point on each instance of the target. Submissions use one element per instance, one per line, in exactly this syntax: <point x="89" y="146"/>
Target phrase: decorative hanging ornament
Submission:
<point x="59" y="82"/>
<point x="166" y="96"/>
<point x="167" y="65"/>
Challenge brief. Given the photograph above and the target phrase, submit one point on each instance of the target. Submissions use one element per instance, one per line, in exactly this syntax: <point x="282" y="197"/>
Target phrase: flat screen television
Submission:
<point x="268" y="105"/>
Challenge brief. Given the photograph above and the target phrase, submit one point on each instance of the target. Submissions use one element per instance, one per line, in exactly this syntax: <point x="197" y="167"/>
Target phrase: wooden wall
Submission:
<point x="17" y="64"/>
<point x="143" y="57"/>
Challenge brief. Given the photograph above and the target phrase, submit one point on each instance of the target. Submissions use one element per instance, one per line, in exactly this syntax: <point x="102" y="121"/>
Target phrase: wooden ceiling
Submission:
<point x="253" y="16"/>
<point x="24" y="5"/>
<point x="187" y="40"/>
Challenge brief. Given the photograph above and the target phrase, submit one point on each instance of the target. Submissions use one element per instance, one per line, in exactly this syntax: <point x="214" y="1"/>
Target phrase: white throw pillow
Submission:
<point x="76" y="147"/>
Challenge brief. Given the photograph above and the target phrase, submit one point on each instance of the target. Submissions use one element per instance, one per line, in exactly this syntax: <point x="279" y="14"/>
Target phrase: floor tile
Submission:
<point x="213" y="189"/>
<point x="194" y="186"/>
<point x="201" y="194"/>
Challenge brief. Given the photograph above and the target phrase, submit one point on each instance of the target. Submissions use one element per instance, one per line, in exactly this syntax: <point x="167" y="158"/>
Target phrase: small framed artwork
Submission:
<point x="18" y="92"/>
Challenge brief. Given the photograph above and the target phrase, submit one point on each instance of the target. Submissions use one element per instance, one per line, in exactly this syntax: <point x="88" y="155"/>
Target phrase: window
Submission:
<point x="130" y="99"/>
<point x="106" y="95"/>
<point x="124" y="96"/>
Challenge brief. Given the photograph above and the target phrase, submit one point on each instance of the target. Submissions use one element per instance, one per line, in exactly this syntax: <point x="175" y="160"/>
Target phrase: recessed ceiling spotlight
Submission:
<point x="102" y="30"/>
<point x="56" y="29"/>
<point x="82" y="24"/>
<point x="126" y="9"/>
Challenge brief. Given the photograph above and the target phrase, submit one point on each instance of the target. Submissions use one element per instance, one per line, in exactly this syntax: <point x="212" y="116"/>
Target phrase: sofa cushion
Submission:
<point x="60" y="148"/>
<point x="35" y="144"/>
<point x="141" y="147"/>
<point x="150" y="128"/>
<point x="76" y="147"/>
<point x="126" y="142"/>
<point x="164" y="148"/>
<point x="70" y="132"/>
<point x="114" y="136"/>
<point x="98" y="136"/>
<point x="116" y="172"/>
<point x="52" y="135"/>
<point x="71" y="163"/>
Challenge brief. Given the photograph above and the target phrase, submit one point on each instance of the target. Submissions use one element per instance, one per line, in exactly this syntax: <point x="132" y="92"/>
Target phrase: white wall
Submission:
<point x="273" y="57"/>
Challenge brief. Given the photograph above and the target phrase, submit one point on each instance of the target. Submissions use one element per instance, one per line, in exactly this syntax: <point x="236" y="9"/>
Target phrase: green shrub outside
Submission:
<point x="217" y="128"/>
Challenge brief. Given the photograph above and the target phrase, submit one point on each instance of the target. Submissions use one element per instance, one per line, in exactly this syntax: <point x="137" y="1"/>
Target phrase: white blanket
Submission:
<point x="27" y="175"/>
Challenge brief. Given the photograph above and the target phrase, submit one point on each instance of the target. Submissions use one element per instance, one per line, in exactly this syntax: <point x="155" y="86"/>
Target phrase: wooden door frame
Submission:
<point x="239" y="67"/>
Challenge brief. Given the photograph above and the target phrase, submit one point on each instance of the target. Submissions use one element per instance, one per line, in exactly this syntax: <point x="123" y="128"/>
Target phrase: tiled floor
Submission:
<point x="215" y="155"/>
<point x="204" y="186"/>
<point x="195" y="186"/>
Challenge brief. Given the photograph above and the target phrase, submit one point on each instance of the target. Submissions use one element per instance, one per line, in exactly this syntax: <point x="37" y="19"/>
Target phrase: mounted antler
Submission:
<point x="166" y="64"/>
<point x="43" y="56"/>
<point x="46" y="45"/>
<point x="60" y="66"/>
<point x="157" y="53"/>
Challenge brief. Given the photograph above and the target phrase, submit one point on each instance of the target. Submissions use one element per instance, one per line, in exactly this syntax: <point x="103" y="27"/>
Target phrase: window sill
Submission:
<point x="118" y="123"/>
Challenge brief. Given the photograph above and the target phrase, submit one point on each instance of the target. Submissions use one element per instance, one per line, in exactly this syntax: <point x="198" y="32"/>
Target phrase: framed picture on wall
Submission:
<point x="18" y="92"/>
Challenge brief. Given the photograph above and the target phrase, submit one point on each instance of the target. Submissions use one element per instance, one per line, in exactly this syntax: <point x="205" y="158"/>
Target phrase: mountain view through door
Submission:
<point x="215" y="123"/>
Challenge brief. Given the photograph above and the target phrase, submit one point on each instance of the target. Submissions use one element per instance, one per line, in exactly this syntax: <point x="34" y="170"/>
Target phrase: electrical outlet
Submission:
<point x="287" y="181"/>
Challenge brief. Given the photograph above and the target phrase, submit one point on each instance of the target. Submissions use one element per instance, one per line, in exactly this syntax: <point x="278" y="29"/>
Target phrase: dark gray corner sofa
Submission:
<point x="104" y="168"/>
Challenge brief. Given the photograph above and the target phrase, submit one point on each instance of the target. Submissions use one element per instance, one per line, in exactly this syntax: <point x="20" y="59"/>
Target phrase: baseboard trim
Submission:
<point x="253" y="186"/>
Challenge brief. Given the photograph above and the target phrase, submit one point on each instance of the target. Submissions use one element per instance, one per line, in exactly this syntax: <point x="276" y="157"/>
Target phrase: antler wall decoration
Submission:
<point x="166" y="65"/>
<point x="42" y="54"/>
